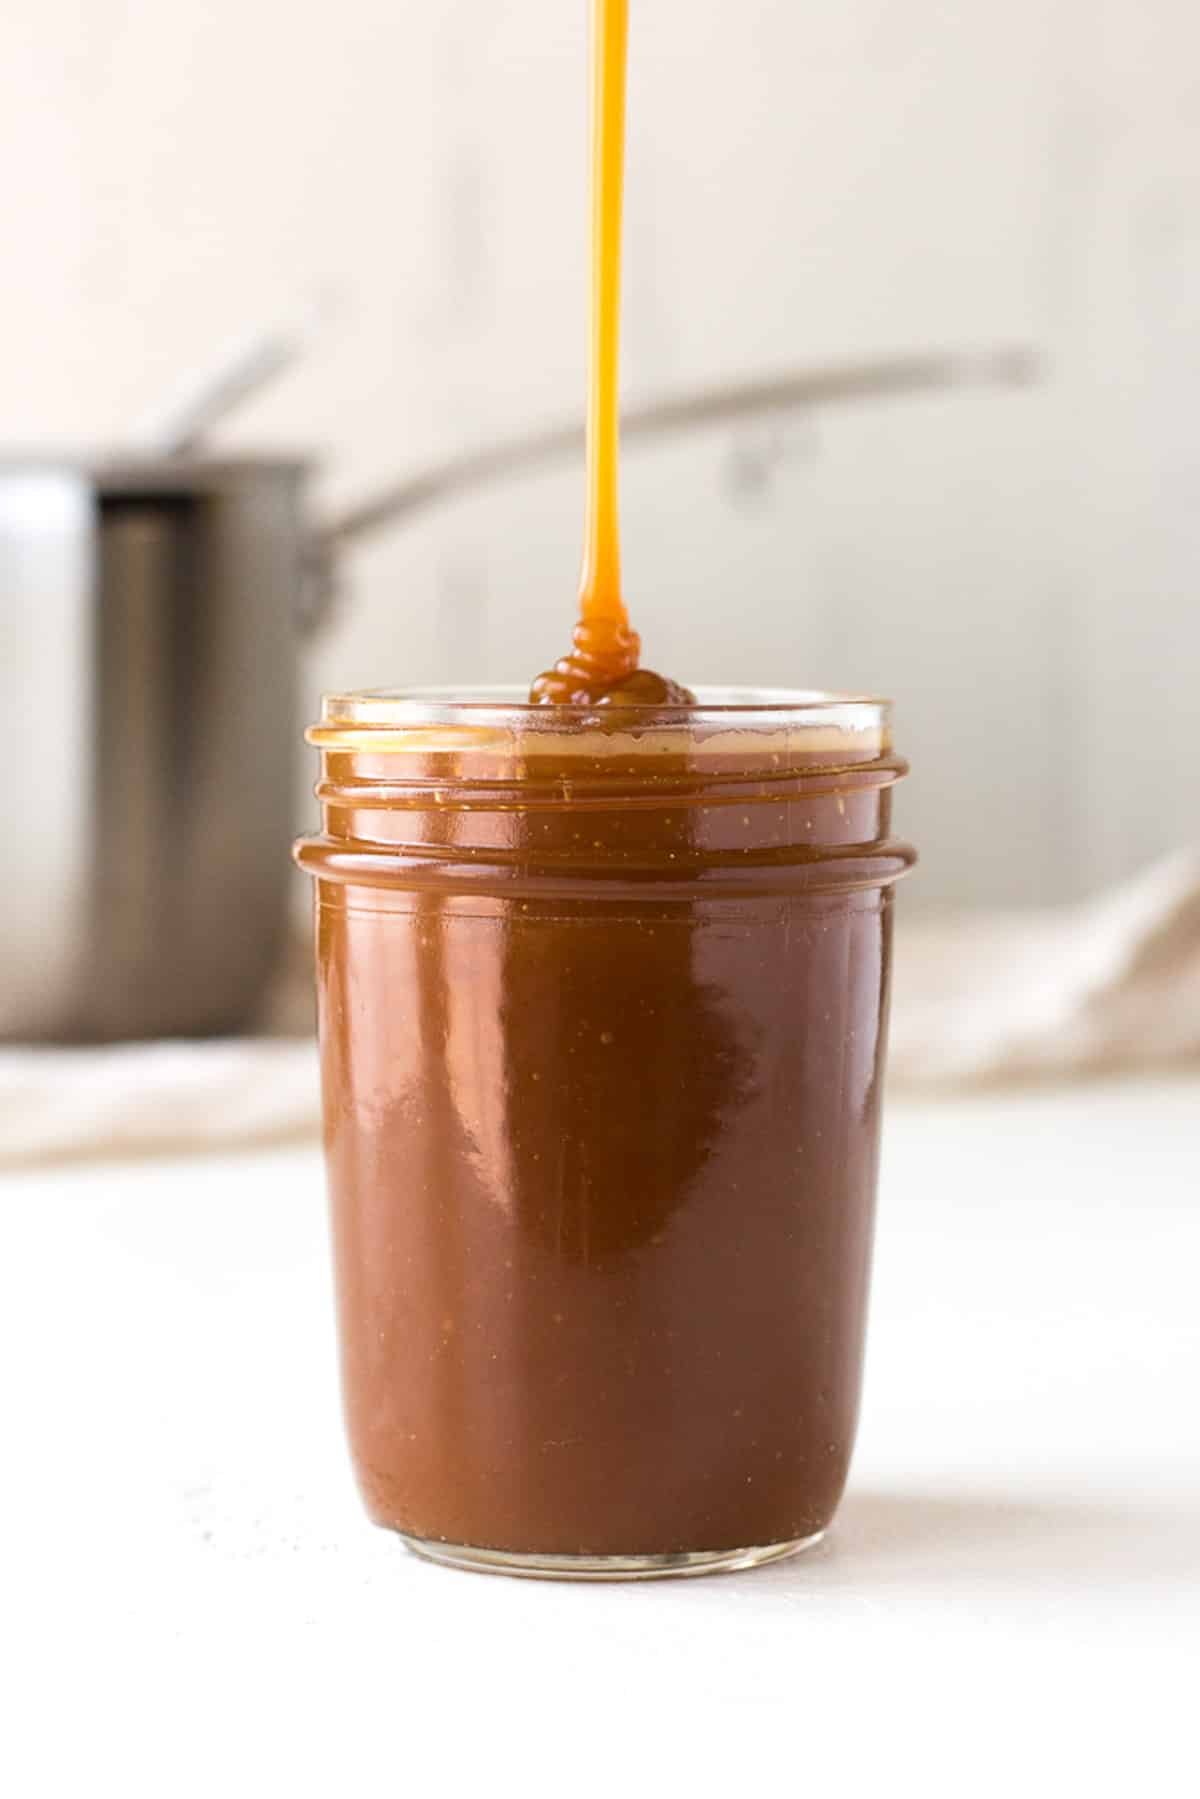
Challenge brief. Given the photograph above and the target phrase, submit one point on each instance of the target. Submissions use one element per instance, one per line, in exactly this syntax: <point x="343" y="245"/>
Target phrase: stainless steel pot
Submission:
<point x="148" y="633"/>
<point x="150" y="615"/>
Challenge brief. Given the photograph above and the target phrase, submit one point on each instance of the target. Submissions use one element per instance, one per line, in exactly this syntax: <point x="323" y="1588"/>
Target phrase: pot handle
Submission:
<point x="791" y="392"/>
<point x="239" y="371"/>
<point x="445" y="482"/>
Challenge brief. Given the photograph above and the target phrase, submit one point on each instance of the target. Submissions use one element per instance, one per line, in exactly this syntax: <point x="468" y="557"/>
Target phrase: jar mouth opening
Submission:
<point x="404" y="705"/>
<point x="386" y="718"/>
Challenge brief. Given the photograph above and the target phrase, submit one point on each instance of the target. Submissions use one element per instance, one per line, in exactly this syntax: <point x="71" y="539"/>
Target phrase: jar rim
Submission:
<point x="375" y="715"/>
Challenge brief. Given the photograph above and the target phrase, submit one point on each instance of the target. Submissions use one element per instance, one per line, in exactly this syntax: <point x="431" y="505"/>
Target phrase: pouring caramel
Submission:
<point x="602" y="666"/>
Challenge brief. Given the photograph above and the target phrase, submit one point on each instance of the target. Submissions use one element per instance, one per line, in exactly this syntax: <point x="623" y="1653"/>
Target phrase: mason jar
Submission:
<point x="602" y="1003"/>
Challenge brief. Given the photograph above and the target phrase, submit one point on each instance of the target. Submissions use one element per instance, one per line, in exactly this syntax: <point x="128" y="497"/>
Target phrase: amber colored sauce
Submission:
<point x="603" y="1073"/>
<point x="602" y="665"/>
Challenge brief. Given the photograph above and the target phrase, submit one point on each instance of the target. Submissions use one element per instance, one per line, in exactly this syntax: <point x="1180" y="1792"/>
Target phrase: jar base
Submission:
<point x="530" y="1565"/>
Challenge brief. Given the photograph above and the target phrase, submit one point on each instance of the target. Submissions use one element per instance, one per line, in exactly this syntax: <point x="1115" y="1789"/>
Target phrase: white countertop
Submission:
<point x="1009" y="1603"/>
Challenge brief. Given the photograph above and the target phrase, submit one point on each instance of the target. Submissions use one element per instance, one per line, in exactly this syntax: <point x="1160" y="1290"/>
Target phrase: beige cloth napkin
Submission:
<point x="1111" y="984"/>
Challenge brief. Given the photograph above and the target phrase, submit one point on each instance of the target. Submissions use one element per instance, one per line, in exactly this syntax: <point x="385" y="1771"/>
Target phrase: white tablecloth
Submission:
<point x="1010" y="1603"/>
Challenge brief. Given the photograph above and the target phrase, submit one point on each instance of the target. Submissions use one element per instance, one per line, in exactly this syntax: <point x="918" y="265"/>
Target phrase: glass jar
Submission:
<point x="602" y="999"/>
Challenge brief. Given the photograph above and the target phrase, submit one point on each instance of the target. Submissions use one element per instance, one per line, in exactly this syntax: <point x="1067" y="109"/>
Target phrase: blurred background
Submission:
<point x="378" y="229"/>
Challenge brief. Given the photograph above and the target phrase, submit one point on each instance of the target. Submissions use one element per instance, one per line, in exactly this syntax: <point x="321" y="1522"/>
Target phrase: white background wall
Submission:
<point x="807" y="183"/>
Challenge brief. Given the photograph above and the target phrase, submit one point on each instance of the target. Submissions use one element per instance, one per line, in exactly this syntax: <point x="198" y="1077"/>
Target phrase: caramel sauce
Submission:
<point x="602" y="1040"/>
<point x="602" y="666"/>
